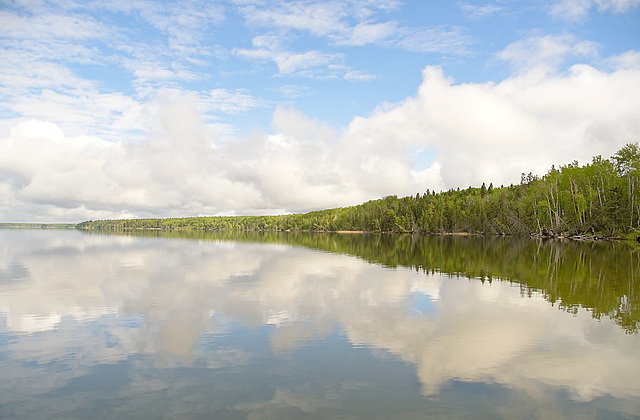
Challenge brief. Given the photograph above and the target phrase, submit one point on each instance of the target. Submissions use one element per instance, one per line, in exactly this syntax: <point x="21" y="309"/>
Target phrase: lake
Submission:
<point x="316" y="326"/>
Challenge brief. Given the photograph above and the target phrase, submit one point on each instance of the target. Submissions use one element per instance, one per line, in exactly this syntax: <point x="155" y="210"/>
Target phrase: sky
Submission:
<point x="138" y="108"/>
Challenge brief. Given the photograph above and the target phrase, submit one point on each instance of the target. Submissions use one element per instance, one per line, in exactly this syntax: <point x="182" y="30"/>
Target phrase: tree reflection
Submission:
<point x="599" y="276"/>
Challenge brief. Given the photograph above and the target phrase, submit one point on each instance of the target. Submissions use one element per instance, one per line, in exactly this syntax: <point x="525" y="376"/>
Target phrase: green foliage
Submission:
<point x="601" y="198"/>
<point x="627" y="159"/>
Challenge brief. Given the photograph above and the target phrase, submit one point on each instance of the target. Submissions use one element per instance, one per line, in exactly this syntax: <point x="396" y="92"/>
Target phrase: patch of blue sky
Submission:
<point x="421" y="13"/>
<point x="422" y="304"/>
<point x="614" y="33"/>
<point x="423" y="159"/>
<point x="108" y="77"/>
<point x="373" y="76"/>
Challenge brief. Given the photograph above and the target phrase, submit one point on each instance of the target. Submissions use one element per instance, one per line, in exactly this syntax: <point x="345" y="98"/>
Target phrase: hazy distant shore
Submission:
<point x="38" y="225"/>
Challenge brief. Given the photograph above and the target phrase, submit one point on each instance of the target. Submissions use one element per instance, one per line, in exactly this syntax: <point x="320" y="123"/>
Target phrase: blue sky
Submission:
<point x="154" y="109"/>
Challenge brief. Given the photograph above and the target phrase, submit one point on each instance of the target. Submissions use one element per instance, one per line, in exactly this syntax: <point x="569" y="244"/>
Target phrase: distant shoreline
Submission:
<point x="536" y="235"/>
<point x="38" y="225"/>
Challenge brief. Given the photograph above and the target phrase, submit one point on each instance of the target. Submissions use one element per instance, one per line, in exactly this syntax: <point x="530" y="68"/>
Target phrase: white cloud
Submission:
<point x="79" y="112"/>
<point x="355" y="24"/>
<point x="133" y="153"/>
<point x="443" y="40"/>
<point x="580" y="9"/>
<point x="320" y="64"/>
<point x="318" y="18"/>
<point x="176" y="167"/>
<point x="347" y="23"/>
<point x="313" y="63"/>
<point x="291" y="63"/>
<point x="36" y="50"/>
<point x="475" y="132"/>
<point x="50" y="27"/>
<point x="230" y="101"/>
<point x="571" y="9"/>
<point x="546" y="53"/>
<point x="48" y="35"/>
<point x="626" y="61"/>
<point x="359" y="76"/>
<point x="368" y="33"/>
<point x="478" y="12"/>
<point x="295" y="91"/>
<point x="37" y="129"/>
<point x="493" y="132"/>
<point x="619" y="6"/>
<point x="186" y="22"/>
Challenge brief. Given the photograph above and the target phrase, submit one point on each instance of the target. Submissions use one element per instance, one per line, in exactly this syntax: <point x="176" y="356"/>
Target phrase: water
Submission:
<point x="300" y="326"/>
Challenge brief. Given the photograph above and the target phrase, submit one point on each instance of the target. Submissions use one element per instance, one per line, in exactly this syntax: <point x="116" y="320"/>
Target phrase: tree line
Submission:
<point x="601" y="198"/>
<point x="38" y="225"/>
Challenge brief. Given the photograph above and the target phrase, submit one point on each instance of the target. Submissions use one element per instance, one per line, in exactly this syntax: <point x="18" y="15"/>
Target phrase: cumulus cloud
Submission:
<point x="472" y="132"/>
<point x="492" y="132"/>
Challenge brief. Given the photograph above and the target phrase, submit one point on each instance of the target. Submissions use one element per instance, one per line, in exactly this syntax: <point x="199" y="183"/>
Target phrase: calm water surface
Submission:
<point x="294" y="326"/>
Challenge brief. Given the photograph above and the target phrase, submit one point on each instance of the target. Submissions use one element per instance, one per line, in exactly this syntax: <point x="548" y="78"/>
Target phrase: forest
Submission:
<point x="600" y="199"/>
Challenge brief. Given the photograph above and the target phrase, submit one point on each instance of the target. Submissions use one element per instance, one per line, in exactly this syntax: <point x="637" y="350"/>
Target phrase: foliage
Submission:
<point x="601" y="198"/>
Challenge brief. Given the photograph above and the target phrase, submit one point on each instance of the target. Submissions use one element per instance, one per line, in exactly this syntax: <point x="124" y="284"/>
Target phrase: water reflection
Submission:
<point x="75" y="306"/>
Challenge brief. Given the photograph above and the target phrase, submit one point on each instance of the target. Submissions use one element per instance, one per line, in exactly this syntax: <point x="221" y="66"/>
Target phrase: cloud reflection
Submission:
<point x="160" y="297"/>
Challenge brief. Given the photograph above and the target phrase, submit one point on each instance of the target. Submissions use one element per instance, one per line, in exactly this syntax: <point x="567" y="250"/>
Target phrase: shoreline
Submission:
<point x="532" y="235"/>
